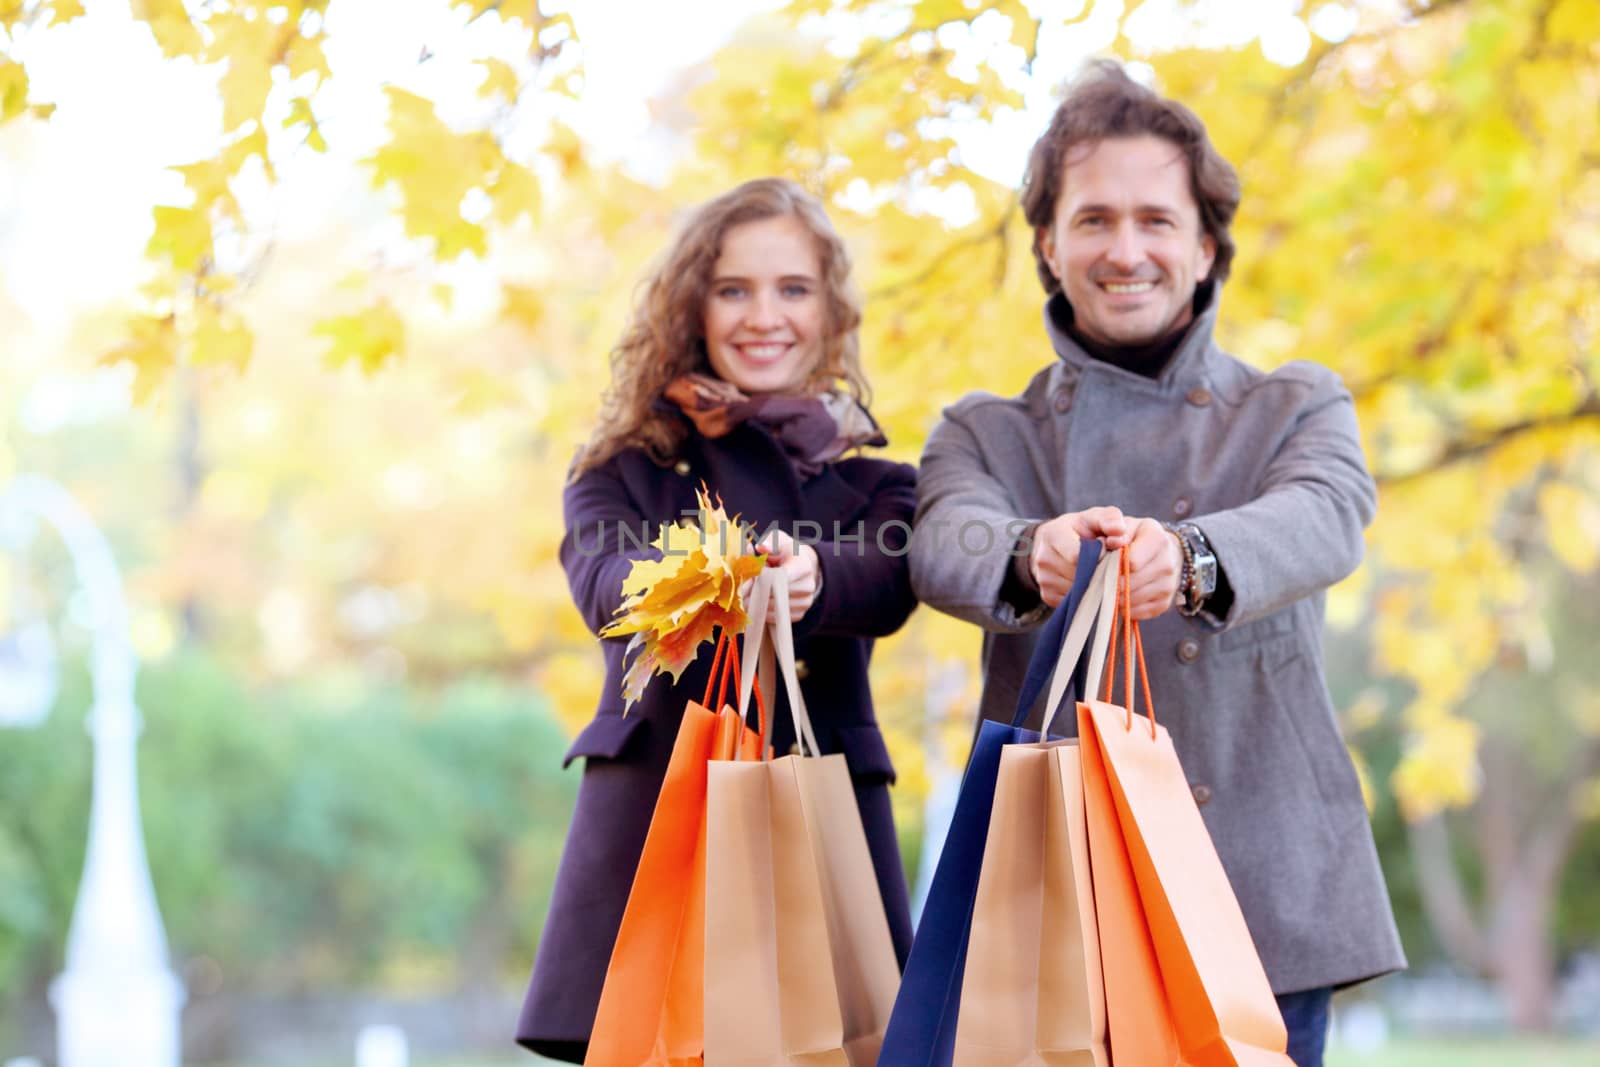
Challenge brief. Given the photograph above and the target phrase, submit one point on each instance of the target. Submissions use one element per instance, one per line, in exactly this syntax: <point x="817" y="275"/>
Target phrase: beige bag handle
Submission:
<point x="768" y="608"/>
<point x="1098" y="606"/>
<point x="783" y="631"/>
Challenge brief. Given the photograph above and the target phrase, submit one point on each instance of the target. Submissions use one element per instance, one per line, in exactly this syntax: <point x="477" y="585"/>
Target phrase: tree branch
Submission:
<point x="994" y="232"/>
<point x="1308" y="67"/>
<point x="1553" y="837"/>
<point x="1444" y="898"/>
<point x="1471" y="447"/>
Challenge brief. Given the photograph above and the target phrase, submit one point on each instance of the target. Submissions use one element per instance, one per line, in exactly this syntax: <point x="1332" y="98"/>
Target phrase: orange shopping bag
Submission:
<point x="652" y="1008"/>
<point x="1183" y="982"/>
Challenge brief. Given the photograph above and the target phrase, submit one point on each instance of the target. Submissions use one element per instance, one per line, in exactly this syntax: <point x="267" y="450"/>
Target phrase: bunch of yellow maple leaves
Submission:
<point x="674" y="604"/>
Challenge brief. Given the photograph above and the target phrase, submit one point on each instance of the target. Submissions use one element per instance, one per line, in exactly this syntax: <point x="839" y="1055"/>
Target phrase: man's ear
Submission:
<point x="1044" y="239"/>
<point x="1208" y="257"/>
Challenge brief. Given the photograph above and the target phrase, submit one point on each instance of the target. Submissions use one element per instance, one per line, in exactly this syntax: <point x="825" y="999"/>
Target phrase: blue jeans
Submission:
<point x="1305" y="1014"/>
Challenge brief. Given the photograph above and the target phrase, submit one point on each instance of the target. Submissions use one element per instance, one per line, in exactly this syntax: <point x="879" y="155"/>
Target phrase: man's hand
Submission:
<point x="801" y="570"/>
<point x="1155" y="562"/>
<point x="1053" y="556"/>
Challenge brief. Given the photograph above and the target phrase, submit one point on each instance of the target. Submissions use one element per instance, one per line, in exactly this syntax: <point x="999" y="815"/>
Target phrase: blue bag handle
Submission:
<point x="1043" y="663"/>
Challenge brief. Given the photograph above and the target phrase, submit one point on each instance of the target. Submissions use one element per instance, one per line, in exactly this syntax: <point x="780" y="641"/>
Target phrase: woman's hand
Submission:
<point x="801" y="568"/>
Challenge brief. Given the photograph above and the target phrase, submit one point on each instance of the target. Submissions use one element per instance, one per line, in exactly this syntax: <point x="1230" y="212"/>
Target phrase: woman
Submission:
<point x="739" y="369"/>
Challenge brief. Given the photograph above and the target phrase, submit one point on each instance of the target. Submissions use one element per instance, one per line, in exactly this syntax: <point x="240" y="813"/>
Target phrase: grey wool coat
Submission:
<point x="1270" y="467"/>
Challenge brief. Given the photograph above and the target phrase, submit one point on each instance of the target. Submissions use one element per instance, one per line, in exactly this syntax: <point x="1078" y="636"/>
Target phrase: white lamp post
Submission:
<point x="117" y="1002"/>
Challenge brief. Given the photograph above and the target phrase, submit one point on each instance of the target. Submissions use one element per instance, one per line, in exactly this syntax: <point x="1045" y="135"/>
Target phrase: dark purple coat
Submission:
<point x="866" y="593"/>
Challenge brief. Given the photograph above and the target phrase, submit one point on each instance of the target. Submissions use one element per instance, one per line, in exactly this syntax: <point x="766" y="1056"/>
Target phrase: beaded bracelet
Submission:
<point x="1186" y="574"/>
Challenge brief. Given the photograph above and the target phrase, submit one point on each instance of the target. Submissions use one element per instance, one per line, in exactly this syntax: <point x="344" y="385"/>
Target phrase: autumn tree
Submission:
<point x="1421" y="213"/>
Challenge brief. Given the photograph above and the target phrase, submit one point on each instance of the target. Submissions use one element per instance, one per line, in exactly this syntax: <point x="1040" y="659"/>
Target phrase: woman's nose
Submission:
<point x="764" y="313"/>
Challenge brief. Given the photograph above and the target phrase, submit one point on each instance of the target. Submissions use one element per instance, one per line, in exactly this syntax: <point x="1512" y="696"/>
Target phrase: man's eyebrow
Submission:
<point x="1139" y="209"/>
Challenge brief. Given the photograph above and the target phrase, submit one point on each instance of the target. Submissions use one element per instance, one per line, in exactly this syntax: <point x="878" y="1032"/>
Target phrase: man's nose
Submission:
<point x="1125" y="253"/>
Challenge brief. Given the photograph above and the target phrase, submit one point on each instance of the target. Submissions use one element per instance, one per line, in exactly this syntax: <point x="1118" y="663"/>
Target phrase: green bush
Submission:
<point x="328" y="832"/>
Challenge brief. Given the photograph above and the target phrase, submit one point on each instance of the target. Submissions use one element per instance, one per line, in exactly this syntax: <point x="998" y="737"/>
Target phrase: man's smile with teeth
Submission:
<point x="1128" y="287"/>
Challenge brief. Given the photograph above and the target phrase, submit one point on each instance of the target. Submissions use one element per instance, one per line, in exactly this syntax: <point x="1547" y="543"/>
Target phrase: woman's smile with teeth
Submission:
<point x="764" y="349"/>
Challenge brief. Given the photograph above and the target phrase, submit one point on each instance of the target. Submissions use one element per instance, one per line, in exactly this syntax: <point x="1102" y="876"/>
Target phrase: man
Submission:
<point x="1256" y="492"/>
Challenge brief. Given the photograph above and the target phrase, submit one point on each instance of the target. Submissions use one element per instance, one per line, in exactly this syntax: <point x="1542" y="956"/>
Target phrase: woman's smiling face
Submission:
<point x="765" y="310"/>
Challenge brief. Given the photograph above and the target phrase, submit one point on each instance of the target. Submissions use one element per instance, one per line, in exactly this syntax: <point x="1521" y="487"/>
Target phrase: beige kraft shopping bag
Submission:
<point x="800" y="967"/>
<point x="1032" y="991"/>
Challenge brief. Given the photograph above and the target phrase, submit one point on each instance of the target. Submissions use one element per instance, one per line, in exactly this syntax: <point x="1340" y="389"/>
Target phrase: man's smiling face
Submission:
<point x="1126" y="243"/>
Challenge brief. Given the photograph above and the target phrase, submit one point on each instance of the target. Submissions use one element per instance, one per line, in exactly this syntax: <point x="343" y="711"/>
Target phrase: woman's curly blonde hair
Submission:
<point x="665" y="337"/>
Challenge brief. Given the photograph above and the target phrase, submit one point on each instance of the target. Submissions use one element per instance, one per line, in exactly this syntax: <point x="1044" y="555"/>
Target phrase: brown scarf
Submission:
<point x="811" y="430"/>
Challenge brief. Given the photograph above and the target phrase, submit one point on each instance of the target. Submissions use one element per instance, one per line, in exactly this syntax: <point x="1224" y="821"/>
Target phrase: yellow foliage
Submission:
<point x="524" y="304"/>
<point x="219" y="338"/>
<point x="1589" y="801"/>
<point x="1364" y="777"/>
<point x="175" y="32"/>
<point x="371" y="337"/>
<point x="499" y="79"/>
<point x="1575" y="22"/>
<point x="151" y="349"/>
<point x="208" y="180"/>
<point x="249" y="48"/>
<point x="476" y="391"/>
<point x="305" y="56"/>
<point x="572" y="682"/>
<point x="1572" y="524"/>
<point x="516" y="193"/>
<point x="1347" y="600"/>
<point x="1439" y="768"/>
<point x="300" y="114"/>
<point x="182" y="236"/>
<point x="433" y="167"/>
<point x="13" y="89"/>
<point x="1420" y="213"/>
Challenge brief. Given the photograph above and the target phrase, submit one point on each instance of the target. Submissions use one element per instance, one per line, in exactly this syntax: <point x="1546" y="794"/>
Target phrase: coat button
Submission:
<point x="1188" y="650"/>
<point x="1199" y="397"/>
<point x="1202" y="794"/>
<point x="801" y="670"/>
<point x="682" y="466"/>
<point x="1181" y="507"/>
<point x="794" y="749"/>
<point x="1062" y="400"/>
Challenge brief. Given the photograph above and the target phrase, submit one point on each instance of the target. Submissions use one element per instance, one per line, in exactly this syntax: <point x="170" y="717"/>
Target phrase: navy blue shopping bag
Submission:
<point x="922" y="1025"/>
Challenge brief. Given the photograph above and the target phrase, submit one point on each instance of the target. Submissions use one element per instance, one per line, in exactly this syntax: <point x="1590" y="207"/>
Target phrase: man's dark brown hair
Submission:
<point x="1104" y="102"/>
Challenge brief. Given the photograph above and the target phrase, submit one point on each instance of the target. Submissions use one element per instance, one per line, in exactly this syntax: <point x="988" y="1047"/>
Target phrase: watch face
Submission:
<point x="1205" y="575"/>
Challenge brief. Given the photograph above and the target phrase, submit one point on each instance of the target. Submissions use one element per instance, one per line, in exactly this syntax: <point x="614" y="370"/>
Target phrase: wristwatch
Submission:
<point x="1199" y="578"/>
